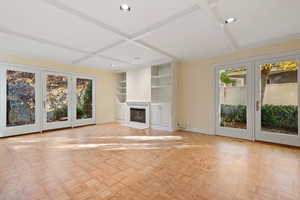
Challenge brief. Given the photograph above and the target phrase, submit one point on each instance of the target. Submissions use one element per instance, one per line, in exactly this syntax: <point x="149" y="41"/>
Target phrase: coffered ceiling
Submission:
<point x="96" y="33"/>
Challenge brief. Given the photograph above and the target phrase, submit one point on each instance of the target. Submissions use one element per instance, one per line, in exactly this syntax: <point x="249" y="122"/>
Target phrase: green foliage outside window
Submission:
<point x="225" y="78"/>
<point x="85" y="104"/>
<point x="283" y="117"/>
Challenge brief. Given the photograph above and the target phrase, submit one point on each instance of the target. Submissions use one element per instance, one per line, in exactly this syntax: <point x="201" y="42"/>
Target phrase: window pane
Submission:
<point x="279" y="97"/>
<point x="57" y="98"/>
<point x="84" y="98"/>
<point x="233" y="97"/>
<point x="20" y="98"/>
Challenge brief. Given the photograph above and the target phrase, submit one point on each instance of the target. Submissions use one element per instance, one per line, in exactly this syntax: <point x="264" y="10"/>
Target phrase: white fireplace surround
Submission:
<point x="138" y="105"/>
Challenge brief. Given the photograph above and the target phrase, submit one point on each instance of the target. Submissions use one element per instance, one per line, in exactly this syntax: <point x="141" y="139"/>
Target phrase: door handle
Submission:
<point x="257" y="105"/>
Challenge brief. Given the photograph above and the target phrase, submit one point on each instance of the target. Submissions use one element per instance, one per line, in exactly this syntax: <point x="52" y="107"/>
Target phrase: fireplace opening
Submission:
<point x="138" y="115"/>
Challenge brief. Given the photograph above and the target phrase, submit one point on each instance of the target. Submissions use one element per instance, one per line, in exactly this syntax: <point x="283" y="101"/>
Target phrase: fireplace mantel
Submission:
<point x="137" y="103"/>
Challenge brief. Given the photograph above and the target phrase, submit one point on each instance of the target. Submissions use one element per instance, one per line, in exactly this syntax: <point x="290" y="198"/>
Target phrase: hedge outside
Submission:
<point x="273" y="116"/>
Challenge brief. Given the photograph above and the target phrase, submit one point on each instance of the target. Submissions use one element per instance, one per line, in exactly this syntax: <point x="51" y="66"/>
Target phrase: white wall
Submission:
<point x="233" y="95"/>
<point x="281" y="94"/>
<point x="276" y="94"/>
<point x="139" y="85"/>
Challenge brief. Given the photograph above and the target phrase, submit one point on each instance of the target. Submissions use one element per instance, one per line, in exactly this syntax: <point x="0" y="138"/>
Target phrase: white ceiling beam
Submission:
<point x="62" y="6"/>
<point x="95" y="53"/>
<point x="157" y="26"/>
<point x="211" y="7"/>
<point x="40" y="40"/>
<point x="135" y="38"/>
<point x="126" y="37"/>
<point x="148" y="46"/>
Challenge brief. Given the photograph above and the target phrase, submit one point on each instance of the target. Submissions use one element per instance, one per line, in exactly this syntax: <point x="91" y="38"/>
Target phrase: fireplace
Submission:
<point x="138" y="115"/>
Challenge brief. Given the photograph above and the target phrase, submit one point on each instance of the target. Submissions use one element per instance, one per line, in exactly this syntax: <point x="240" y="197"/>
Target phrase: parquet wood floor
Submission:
<point x="113" y="162"/>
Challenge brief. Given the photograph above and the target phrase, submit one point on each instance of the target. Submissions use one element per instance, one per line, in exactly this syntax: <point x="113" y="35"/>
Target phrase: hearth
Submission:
<point x="138" y="115"/>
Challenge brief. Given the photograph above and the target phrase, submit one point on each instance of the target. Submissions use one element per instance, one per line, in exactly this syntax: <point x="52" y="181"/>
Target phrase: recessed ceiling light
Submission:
<point x="125" y="8"/>
<point x="230" y="20"/>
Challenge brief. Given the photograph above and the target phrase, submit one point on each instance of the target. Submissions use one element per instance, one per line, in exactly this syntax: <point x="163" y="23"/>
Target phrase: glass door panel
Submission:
<point x="277" y="101"/>
<point x="57" y="98"/>
<point x="20" y="98"/>
<point x="234" y="102"/>
<point x="85" y="100"/>
<point x="21" y="107"/>
<point x="56" y="101"/>
<point x="84" y="93"/>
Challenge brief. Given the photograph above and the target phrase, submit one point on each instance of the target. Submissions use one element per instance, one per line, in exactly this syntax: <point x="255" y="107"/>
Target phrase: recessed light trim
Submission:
<point x="125" y="8"/>
<point x="230" y="20"/>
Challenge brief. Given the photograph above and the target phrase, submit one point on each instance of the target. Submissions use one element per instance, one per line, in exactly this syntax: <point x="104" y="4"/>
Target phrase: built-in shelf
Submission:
<point x="161" y="83"/>
<point x="160" y="86"/>
<point x="161" y="76"/>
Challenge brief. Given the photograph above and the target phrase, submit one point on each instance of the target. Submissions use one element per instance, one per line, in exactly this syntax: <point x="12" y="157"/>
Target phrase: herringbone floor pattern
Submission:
<point x="112" y="162"/>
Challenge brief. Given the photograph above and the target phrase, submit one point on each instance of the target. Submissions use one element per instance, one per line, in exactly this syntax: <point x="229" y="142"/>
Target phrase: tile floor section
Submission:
<point x="113" y="162"/>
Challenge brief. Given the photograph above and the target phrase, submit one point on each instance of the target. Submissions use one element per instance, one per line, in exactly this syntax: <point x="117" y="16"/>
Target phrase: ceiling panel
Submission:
<point x="39" y="19"/>
<point x="11" y="45"/>
<point x="131" y="53"/>
<point x="144" y="13"/>
<point x="102" y="63"/>
<point x="194" y="36"/>
<point x="260" y="21"/>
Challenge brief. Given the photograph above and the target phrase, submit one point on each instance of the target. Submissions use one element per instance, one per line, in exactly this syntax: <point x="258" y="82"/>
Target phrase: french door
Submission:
<point x="259" y="100"/>
<point x="234" y="117"/>
<point x="20" y="101"/>
<point x="277" y="100"/>
<point x="57" y="100"/>
<point x="84" y="100"/>
<point x="36" y="100"/>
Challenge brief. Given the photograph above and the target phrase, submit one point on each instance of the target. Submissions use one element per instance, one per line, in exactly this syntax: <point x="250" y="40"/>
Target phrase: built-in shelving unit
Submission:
<point x="121" y="93"/>
<point x="161" y="83"/>
<point x="162" y="96"/>
<point x="162" y="108"/>
<point x="121" y="87"/>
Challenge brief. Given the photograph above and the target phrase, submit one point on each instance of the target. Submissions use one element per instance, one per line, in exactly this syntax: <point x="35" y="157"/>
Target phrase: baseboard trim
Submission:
<point x="200" y="131"/>
<point x="107" y="123"/>
<point x="163" y="128"/>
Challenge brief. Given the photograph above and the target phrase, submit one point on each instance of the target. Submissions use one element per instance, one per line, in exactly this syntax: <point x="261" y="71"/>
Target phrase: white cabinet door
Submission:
<point x="165" y="114"/>
<point x="121" y="110"/>
<point x="118" y="112"/>
<point x="161" y="114"/>
<point x="155" y="114"/>
<point x="124" y="111"/>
